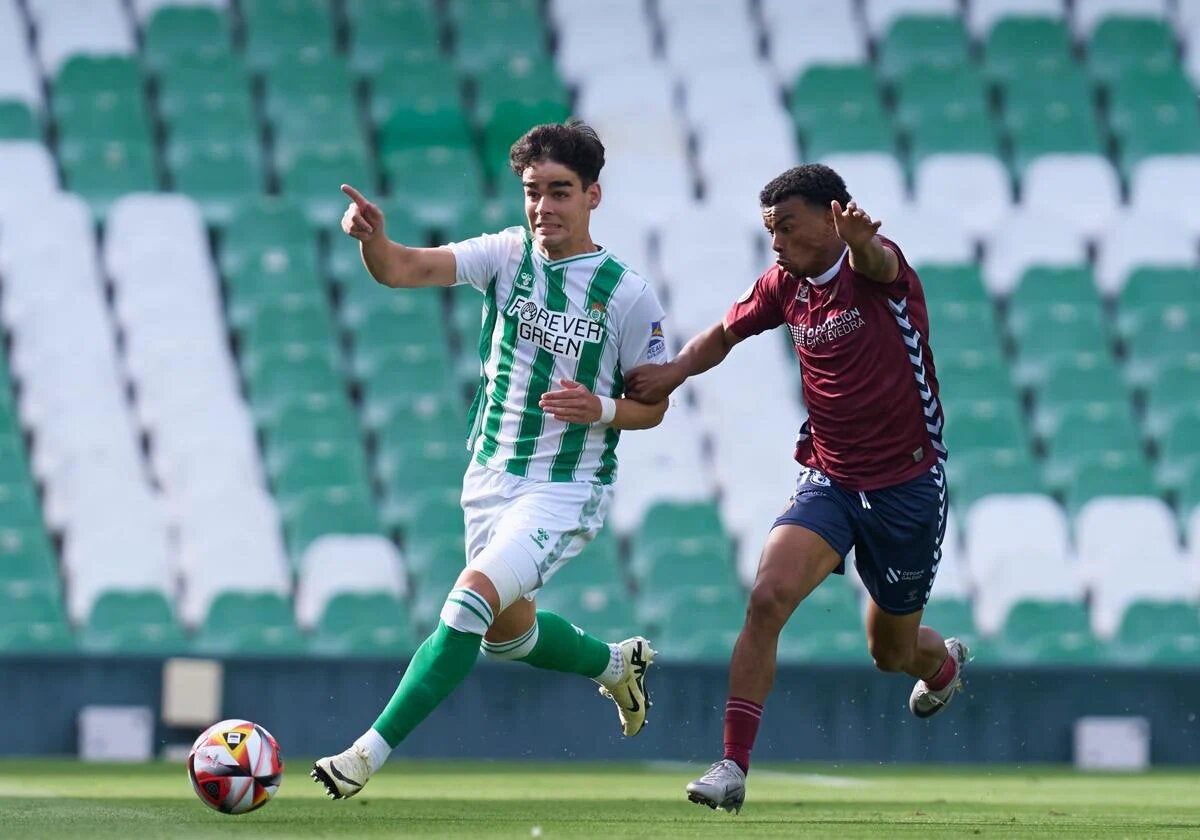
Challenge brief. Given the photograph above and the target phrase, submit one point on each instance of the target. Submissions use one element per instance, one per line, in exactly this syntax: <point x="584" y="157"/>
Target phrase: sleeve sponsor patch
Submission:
<point x="658" y="343"/>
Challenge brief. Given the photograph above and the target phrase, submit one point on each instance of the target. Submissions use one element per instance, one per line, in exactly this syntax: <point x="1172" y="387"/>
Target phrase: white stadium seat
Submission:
<point x="27" y="169"/>
<point x="335" y="564"/>
<point x="126" y="554"/>
<point x="1128" y="551"/>
<point x="80" y="27"/>
<point x="594" y="38"/>
<point x="1026" y="239"/>
<point x="1139" y="239"/>
<point x="928" y="235"/>
<point x="1090" y="181"/>
<point x="1168" y="181"/>
<point x="1010" y="564"/>
<point x="18" y="71"/>
<point x="145" y="9"/>
<point x="801" y="33"/>
<point x="875" y="180"/>
<point x="973" y="188"/>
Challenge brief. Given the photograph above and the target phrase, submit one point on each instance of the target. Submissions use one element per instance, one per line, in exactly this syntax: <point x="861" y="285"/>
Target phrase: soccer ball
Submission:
<point x="235" y="766"/>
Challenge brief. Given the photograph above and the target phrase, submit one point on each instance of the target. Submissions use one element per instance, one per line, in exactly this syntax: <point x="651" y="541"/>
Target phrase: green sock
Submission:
<point x="561" y="646"/>
<point x="439" y="665"/>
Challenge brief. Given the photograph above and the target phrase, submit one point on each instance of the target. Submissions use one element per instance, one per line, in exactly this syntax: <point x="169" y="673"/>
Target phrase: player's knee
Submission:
<point x="467" y="611"/>
<point x="890" y="657"/>
<point x="769" y="607"/>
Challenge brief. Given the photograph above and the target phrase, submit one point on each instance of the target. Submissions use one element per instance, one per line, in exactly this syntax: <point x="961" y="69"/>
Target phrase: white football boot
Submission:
<point x="924" y="701"/>
<point x="344" y="774"/>
<point x="723" y="786"/>
<point x="630" y="694"/>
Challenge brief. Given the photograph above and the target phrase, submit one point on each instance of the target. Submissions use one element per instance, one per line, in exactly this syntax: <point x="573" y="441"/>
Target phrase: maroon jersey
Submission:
<point x="866" y="370"/>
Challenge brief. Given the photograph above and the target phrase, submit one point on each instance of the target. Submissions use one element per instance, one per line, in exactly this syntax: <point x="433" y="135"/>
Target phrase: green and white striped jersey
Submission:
<point x="588" y="318"/>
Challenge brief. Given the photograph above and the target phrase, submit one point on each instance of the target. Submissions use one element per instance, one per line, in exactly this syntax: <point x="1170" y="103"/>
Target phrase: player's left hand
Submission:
<point x="573" y="404"/>
<point x="853" y="224"/>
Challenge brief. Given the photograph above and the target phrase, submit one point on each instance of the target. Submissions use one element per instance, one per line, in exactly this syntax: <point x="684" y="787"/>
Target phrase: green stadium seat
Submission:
<point x="1023" y="46"/>
<point x="963" y="326"/>
<point x="434" y="537"/>
<point x="312" y="178"/>
<point x="934" y="42"/>
<point x="1181" y="440"/>
<point x="974" y="473"/>
<point x="509" y="120"/>
<point x="598" y="564"/>
<point x="684" y="563"/>
<point x="313" y="416"/>
<point x="425" y="418"/>
<point x="132" y="622"/>
<point x="1069" y="386"/>
<point x="102" y="171"/>
<point x="290" y="320"/>
<point x="359" y="624"/>
<point x="698" y="624"/>
<point x="521" y="77"/>
<point x="825" y="92"/>
<point x="276" y="30"/>
<point x="274" y="374"/>
<point x="208" y="84"/>
<point x="950" y="282"/>
<point x="19" y="506"/>
<point x="1150" y="290"/>
<point x="173" y="31"/>
<point x="1153" y="114"/>
<point x="406" y="372"/>
<point x="1051" y="114"/>
<point x="1043" y="286"/>
<point x="1187" y="494"/>
<point x="665" y="524"/>
<point x="217" y="175"/>
<point x="406" y="468"/>
<point x="424" y="122"/>
<point x="1167" y="335"/>
<point x="983" y="424"/>
<point x="251" y="624"/>
<point x="270" y="231"/>
<point x="857" y="127"/>
<point x="1111" y="473"/>
<point x="32" y="621"/>
<point x="18" y="122"/>
<point x="827" y="626"/>
<point x="974" y="375"/>
<point x="362" y="297"/>
<point x="26" y="557"/>
<point x="398" y="326"/>
<point x="1122" y="45"/>
<point x="297" y="82"/>
<point x="953" y="616"/>
<point x="606" y="612"/>
<point x="14" y="463"/>
<point x="1086" y="431"/>
<point x="491" y="216"/>
<point x="488" y="30"/>
<point x="1173" y="393"/>
<point x="377" y="29"/>
<point x="329" y="510"/>
<point x="254" y="290"/>
<point x="1049" y="631"/>
<point x="88" y="80"/>
<point x="297" y="468"/>
<point x="1040" y="350"/>
<point x="1160" y="633"/>
<point x="442" y="182"/>
<point x="413" y="84"/>
<point x="945" y="112"/>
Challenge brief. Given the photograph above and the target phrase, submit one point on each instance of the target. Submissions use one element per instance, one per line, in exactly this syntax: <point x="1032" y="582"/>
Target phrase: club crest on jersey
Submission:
<point x="802" y="292"/>
<point x="557" y="332"/>
<point x="597" y="312"/>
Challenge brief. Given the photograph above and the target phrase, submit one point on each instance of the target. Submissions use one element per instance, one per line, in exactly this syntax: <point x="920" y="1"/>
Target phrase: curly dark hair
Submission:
<point x="815" y="183"/>
<point x="574" y="144"/>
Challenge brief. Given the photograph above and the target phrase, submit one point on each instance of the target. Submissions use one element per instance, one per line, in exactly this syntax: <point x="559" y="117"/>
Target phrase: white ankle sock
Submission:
<point x="615" y="672"/>
<point x="377" y="749"/>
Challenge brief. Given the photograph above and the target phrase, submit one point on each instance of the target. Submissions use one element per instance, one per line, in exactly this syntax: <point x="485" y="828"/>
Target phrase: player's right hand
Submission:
<point x="652" y="384"/>
<point x="362" y="219"/>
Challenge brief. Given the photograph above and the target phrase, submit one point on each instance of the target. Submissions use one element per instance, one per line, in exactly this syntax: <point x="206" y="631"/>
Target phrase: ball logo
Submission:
<point x="529" y="311"/>
<point x="232" y="739"/>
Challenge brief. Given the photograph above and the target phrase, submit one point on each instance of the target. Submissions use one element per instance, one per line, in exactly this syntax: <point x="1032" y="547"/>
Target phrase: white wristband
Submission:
<point x="608" y="409"/>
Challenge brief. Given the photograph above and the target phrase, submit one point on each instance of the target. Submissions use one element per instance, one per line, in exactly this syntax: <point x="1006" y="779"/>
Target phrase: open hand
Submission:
<point x="362" y="219"/>
<point x="573" y="404"/>
<point x="853" y="224"/>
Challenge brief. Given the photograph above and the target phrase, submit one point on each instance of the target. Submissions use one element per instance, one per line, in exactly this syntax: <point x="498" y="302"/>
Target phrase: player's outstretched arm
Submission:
<point x="868" y="256"/>
<point x="576" y="404"/>
<point x="651" y="383"/>
<point x="391" y="263"/>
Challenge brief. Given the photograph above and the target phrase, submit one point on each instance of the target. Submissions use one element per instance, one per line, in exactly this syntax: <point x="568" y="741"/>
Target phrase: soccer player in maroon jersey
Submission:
<point x="871" y="450"/>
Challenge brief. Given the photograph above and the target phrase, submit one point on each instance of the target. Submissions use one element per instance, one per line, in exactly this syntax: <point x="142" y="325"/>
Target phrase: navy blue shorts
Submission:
<point x="896" y="532"/>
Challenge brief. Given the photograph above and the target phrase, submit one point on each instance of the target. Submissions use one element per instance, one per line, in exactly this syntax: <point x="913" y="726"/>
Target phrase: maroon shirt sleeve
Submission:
<point x="759" y="309"/>
<point x="902" y="285"/>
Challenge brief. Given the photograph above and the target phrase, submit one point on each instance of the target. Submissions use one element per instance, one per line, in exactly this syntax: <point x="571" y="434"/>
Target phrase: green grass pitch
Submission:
<point x="54" y="799"/>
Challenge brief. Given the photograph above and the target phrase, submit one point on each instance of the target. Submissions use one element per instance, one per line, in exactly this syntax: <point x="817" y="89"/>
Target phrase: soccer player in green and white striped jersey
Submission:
<point x="563" y="321"/>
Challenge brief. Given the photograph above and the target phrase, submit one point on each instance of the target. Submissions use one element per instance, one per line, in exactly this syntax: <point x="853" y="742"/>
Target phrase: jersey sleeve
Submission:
<point x="902" y="285"/>
<point x="643" y="340"/>
<point x="478" y="260"/>
<point x="758" y="309"/>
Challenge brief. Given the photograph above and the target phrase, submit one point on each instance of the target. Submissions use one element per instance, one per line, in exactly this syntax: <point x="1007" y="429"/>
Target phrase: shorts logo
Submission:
<point x="814" y="477"/>
<point x="894" y="576"/>
<point x="540" y="537"/>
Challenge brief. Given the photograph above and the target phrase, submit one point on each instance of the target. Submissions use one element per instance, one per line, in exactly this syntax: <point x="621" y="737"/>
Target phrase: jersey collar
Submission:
<point x="831" y="272"/>
<point x="599" y="252"/>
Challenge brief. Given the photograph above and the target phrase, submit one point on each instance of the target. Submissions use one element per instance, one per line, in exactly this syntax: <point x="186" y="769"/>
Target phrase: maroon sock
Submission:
<point x="741" y="728"/>
<point x="944" y="674"/>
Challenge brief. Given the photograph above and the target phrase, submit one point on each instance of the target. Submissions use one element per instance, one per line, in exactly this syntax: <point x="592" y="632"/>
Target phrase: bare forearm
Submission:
<point x="400" y="267"/>
<point x="632" y="414"/>
<point x="872" y="259"/>
<point x="706" y="350"/>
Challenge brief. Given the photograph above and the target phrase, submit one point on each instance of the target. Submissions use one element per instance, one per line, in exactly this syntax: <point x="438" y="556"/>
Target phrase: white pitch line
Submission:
<point x="815" y="779"/>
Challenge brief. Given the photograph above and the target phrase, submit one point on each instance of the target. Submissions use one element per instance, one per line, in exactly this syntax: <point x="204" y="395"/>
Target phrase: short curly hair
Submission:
<point x="815" y="183"/>
<point x="574" y="144"/>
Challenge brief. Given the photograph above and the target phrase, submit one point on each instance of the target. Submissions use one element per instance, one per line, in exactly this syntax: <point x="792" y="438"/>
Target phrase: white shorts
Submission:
<point x="533" y="527"/>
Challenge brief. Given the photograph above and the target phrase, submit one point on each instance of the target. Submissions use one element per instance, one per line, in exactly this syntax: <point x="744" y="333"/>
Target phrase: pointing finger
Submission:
<point x="356" y="196"/>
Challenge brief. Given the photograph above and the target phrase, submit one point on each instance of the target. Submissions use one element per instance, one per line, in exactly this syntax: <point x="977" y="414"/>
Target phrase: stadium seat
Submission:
<point x="32" y="621"/>
<point x="696" y="624"/>
<point x="175" y="30"/>
<point x="379" y="30"/>
<point x="1024" y="240"/>
<point x="1120" y="46"/>
<point x="1154" y="177"/>
<point x="1160" y="632"/>
<point x="249" y="624"/>
<point x="1110" y="533"/>
<point x="928" y="234"/>
<point x="1091" y="178"/>
<point x="19" y="77"/>
<point x="336" y="565"/>
<point x="321" y="511"/>
<point x="1061" y="335"/>
<point x="1088" y="14"/>
<point x="28" y="168"/>
<point x="1010" y="564"/>
<point x="132" y="622"/>
<point x="975" y="473"/>
<point x="1134" y="240"/>
<point x="102" y="171"/>
<point x="364" y="624"/>
<point x="1158" y="337"/>
<point x="952" y="282"/>
<point x="1086" y="432"/>
<point x="983" y="18"/>
<point x="18" y="121"/>
<point x="974" y="188"/>
<point x="880" y="15"/>
<point x="827" y="626"/>
<point x="874" y="179"/>
<point x="279" y="29"/>
<point x="807" y="32"/>
<point x="298" y="468"/>
<point x="63" y="32"/>
<point x="1054" y="631"/>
